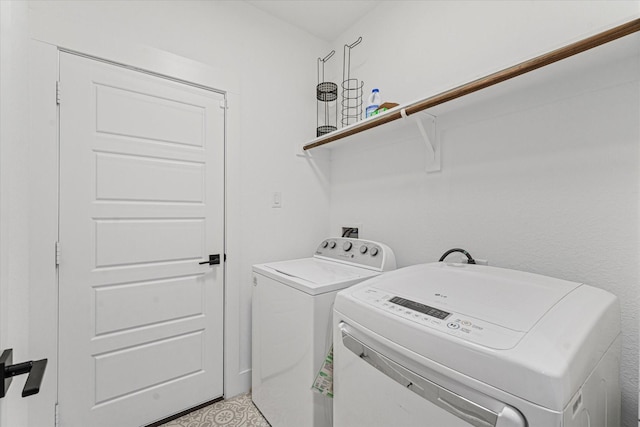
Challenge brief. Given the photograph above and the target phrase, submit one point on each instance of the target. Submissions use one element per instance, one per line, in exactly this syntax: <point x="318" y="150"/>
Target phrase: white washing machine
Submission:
<point x="458" y="345"/>
<point x="291" y="322"/>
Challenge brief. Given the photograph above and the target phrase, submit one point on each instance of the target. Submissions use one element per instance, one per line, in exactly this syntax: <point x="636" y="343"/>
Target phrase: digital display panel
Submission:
<point x="424" y="309"/>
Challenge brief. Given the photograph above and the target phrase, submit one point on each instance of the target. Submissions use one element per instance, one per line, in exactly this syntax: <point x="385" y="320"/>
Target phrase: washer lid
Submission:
<point x="315" y="276"/>
<point x="511" y="299"/>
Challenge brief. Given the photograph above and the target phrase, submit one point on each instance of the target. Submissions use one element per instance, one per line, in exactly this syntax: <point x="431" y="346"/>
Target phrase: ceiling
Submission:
<point x="326" y="19"/>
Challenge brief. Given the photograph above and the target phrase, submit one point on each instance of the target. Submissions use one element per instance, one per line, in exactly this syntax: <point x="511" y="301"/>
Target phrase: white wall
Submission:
<point x="14" y="125"/>
<point x="269" y="70"/>
<point x="567" y="209"/>
<point x="542" y="179"/>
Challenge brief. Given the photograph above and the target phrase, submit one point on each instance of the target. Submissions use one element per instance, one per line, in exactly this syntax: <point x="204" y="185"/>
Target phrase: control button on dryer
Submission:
<point x="363" y="249"/>
<point x="325" y="244"/>
<point x="373" y="251"/>
<point x="332" y="244"/>
<point x="347" y="246"/>
<point x="453" y="325"/>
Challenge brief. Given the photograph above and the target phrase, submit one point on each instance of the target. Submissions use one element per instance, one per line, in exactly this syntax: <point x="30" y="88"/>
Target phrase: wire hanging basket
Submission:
<point x="326" y="100"/>
<point x="352" y="89"/>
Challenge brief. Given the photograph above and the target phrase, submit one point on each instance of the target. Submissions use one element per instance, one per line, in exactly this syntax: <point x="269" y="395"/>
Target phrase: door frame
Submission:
<point x="44" y="208"/>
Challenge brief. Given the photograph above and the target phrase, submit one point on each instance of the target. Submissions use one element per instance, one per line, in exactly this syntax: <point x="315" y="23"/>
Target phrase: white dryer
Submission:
<point x="291" y="325"/>
<point x="458" y="345"/>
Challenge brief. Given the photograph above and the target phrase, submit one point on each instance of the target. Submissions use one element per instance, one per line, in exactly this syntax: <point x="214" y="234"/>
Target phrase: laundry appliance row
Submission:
<point x="435" y="345"/>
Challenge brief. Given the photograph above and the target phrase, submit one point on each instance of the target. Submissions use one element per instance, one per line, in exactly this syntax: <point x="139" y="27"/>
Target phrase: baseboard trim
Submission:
<point x="185" y="412"/>
<point x="239" y="383"/>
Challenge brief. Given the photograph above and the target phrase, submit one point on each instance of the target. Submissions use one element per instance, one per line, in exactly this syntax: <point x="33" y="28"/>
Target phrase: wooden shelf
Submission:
<point x="481" y="83"/>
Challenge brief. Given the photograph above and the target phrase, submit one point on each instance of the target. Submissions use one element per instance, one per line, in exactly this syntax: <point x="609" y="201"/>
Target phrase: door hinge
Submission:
<point x="58" y="92"/>
<point x="57" y="253"/>
<point x="56" y="419"/>
<point x="223" y="103"/>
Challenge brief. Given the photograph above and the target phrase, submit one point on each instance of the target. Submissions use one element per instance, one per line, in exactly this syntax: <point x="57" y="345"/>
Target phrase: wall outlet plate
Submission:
<point x="276" y="199"/>
<point x="355" y="234"/>
<point x="350" y="232"/>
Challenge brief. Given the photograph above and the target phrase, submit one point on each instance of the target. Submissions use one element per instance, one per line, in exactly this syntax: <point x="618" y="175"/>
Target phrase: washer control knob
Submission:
<point x="347" y="246"/>
<point x="325" y="244"/>
<point x="363" y="249"/>
<point x="332" y="244"/>
<point x="373" y="251"/>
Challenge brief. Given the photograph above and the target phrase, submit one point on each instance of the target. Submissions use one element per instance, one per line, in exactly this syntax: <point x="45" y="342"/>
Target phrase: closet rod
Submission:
<point x="487" y="81"/>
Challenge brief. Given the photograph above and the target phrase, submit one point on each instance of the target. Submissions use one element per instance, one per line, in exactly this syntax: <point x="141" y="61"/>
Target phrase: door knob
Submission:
<point x="35" y="369"/>
<point x="213" y="260"/>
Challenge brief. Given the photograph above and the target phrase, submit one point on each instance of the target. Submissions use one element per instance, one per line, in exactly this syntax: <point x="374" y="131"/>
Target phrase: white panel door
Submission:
<point x="141" y="204"/>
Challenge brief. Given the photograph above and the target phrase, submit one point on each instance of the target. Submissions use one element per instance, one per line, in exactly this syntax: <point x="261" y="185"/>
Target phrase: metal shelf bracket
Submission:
<point x="426" y="124"/>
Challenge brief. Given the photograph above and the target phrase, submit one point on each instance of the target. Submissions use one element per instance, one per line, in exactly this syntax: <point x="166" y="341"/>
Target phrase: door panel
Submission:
<point x="177" y="298"/>
<point x="153" y="364"/>
<point x="126" y="177"/>
<point x="138" y="241"/>
<point x="141" y="203"/>
<point x="142" y="115"/>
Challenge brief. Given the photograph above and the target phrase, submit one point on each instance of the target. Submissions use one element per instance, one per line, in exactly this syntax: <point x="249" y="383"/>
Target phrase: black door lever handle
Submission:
<point x="35" y="369"/>
<point x="213" y="260"/>
<point x="32" y="386"/>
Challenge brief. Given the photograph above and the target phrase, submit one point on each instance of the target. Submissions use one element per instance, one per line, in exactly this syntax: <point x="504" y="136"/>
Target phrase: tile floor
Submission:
<point x="237" y="411"/>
